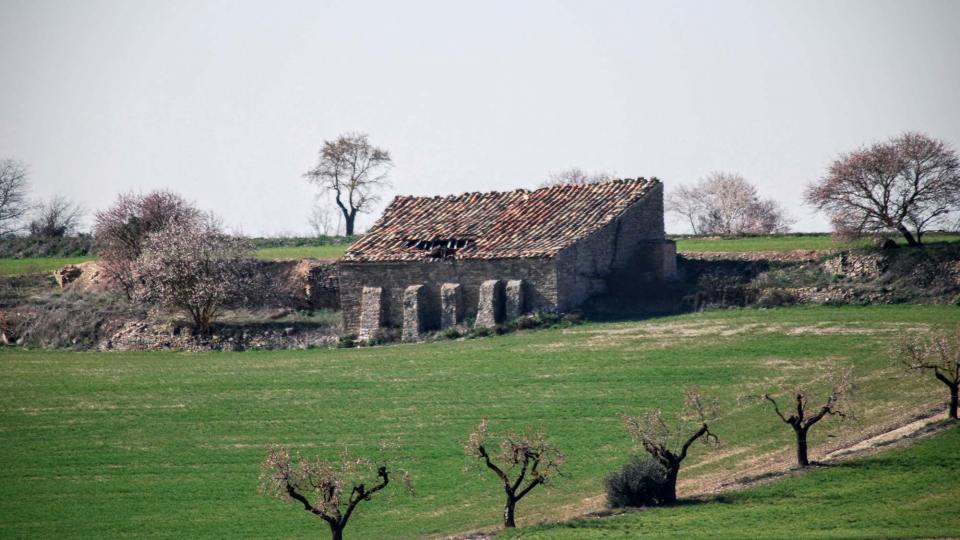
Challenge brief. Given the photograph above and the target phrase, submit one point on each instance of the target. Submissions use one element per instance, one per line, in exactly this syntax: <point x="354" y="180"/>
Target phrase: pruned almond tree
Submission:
<point x="531" y="456"/>
<point x="938" y="354"/>
<point x="669" y="442"/>
<point x="809" y="407"/>
<point x="330" y="490"/>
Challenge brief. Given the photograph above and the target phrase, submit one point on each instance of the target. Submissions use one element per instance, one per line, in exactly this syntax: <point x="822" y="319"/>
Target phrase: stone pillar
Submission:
<point x="413" y="311"/>
<point x="371" y="312"/>
<point x="513" y="297"/>
<point x="451" y="304"/>
<point x="668" y="266"/>
<point x="490" y="305"/>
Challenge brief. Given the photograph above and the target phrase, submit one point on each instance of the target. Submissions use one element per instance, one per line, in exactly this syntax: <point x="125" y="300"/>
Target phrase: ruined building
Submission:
<point x="430" y="262"/>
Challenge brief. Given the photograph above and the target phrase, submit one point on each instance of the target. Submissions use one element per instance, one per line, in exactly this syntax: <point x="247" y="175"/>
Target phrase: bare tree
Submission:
<point x="939" y="354"/>
<point x="324" y="482"/>
<point x="196" y="268"/>
<point x="322" y="219"/>
<point x="56" y="218"/>
<point x="13" y="195"/>
<point x="907" y="184"/>
<point x="806" y="412"/>
<point x="355" y="171"/>
<point x="668" y="444"/>
<point x="726" y="204"/>
<point x="537" y="459"/>
<point x="121" y="230"/>
<point x="576" y="176"/>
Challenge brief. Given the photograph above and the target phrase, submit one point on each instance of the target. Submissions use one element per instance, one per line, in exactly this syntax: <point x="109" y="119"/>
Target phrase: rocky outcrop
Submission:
<point x="145" y="335"/>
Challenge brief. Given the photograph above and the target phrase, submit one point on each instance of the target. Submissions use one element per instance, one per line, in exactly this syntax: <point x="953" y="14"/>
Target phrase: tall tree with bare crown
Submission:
<point x="355" y="171"/>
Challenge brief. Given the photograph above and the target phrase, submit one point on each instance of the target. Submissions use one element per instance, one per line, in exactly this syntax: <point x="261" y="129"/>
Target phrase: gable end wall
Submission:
<point x="629" y="244"/>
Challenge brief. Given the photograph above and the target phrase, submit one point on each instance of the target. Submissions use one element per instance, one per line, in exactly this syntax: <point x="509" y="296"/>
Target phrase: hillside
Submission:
<point x="168" y="444"/>
<point x="902" y="493"/>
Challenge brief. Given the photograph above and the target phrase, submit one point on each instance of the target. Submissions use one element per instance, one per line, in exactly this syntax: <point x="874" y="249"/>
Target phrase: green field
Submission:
<point x="328" y="251"/>
<point x="784" y="242"/>
<point x="908" y="492"/>
<point x="35" y="265"/>
<point x="684" y="245"/>
<point x="168" y="444"/>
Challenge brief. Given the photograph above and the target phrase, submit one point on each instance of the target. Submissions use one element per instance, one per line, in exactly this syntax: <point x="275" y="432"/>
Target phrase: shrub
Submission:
<point x="347" y="341"/>
<point x="452" y="332"/>
<point x="776" y="298"/>
<point x="641" y="482"/>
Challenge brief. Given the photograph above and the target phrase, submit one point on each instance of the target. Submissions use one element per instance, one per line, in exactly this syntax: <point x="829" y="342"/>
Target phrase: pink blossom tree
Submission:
<point x="727" y="204"/>
<point x="905" y="185"/>
<point x="196" y="268"/>
<point x="121" y="230"/>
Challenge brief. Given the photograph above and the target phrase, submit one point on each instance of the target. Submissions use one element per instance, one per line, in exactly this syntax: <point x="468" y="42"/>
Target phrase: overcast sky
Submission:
<point x="228" y="102"/>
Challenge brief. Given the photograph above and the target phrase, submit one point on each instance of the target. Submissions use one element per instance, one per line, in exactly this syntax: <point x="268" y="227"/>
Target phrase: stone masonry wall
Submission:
<point x="629" y="248"/>
<point x="539" y="275"/>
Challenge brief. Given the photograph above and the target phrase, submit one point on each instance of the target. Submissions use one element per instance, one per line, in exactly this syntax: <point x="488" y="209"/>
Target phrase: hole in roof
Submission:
<point x="439" y="248"/>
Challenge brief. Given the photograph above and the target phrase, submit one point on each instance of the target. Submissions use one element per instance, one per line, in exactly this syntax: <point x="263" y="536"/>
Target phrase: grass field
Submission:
<point x="909" y="492"/>
<point x="39" y="264"/>
<point x="168" y="444"/>
<point x="329" y="251"/>
<point x="684" y="245"/>
<point x="784" y="242"/>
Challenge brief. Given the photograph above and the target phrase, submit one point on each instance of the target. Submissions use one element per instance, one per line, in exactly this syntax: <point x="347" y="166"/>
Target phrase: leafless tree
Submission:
<point x="355" y="171"/>
<point x="907" y="184"/>
<point x="322" y="219"/>
<point x="326" y="483"/>
<point x="939" y="354"/>
<point x="669" y="444"/>
<point x="575" y="176"/>
<point x="194" y="267"/>
<point x="806" y="412"/>
<point x="56" y="217"/>
<point x="536" y="457"/>
<point x="121" y="230"/>
<point x="13" y="195"/>
<point x="726" y="204"/>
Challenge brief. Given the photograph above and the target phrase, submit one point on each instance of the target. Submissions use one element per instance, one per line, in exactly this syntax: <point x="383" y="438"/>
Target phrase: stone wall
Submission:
<point x="297" y="284"/>
<point x="628" y="252"/>
<point x="539" y="275"/>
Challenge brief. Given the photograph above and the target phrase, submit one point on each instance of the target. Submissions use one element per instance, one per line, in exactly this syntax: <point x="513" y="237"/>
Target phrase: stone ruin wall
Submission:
<point x="630" y="251"/>
<point x="458" y="281"/>
<point x="295" y="284"/>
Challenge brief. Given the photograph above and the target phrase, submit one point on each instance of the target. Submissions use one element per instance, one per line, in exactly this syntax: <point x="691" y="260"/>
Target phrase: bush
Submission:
<point x="347" y="341"/>
<point x="641" y="482"/>
<point x="776" y="298"/>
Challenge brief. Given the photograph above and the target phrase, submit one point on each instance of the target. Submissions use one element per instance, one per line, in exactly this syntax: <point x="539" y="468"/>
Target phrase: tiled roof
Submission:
<point x="495" y="225"/>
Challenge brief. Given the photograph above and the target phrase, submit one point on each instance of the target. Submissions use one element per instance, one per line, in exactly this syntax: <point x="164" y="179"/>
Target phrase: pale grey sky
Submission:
<point x="228" y="102"/>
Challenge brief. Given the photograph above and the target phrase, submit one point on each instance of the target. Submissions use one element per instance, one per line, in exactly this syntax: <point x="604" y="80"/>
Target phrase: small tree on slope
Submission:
<point x="939" y="354"/>
<point x="537" y="459"/>
<point x="806" y="413"/>
<point x="669" y="444"/>
<point x="324" y="482"/>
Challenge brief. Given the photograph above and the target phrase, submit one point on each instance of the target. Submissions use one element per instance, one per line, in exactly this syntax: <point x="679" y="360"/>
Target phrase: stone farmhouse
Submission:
<point x="432" y="262"/>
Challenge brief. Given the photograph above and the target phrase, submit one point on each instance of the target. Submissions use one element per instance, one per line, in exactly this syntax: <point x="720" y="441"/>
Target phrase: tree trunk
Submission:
<point x="953" y="401"/>
<point x="802" y="448"/>
<point x="336" y="532"/>
<point x="348" y="221"/>
<point x="509" y="513"/>
<point x="906" y="234"/>
<point x="670" y="491"/>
